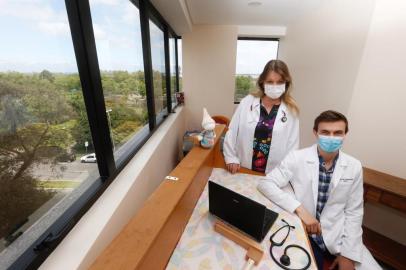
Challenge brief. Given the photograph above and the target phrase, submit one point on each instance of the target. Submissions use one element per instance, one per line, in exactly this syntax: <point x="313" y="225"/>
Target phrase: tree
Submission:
<point x="46" y="75"/>
<point x="30" y="112"/>
<point x="67" y="82"/>
<point x="80" y="130"/>
<point x="244" y="84"/>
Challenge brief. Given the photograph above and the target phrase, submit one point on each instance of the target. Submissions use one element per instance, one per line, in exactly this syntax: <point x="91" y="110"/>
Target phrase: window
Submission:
<point x="172" y="61"/>
<point x="119" y="50"/>
<point x="180" y="63"/>
<point x="158" y="70"/>
<point x="44" y="130"/>
<point x="252" y="55"/>
<point x="74" y="109"/>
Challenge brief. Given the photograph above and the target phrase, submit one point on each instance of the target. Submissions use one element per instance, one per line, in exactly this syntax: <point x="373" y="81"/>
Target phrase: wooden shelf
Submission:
<point x="388" y="190"/>
<point x="385" y="189"/>
<point x="385" y="249"/>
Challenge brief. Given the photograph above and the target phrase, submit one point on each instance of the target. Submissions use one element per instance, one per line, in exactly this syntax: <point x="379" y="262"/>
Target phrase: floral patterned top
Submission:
<point x="263" y="138"/>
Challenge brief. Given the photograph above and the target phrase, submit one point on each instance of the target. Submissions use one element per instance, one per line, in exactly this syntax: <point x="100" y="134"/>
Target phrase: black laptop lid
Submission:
<point x="236" y="209"/>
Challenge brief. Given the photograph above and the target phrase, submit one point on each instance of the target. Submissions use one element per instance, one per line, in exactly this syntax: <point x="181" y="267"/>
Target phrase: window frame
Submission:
<point x="83" y="40"/>
<point x="177" y="64"/>
<point x="256" y="39"/>
<point x="176" y="90"/>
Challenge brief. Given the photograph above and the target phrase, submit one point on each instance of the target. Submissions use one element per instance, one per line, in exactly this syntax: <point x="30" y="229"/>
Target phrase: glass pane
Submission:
<point x="180" y="63"/>
<point x="119" y="50"/>
<point x="158" y="69"/>
<point x="44" y="131"/>
<point x="252" y="55"/>
<point x="172" y="59"/>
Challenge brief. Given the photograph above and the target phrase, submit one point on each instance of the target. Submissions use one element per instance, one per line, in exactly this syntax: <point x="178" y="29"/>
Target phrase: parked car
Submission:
<point x="91" y="158"/>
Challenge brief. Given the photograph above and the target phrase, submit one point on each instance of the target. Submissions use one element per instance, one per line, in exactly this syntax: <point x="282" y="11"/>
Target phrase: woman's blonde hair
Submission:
<point x="281" y="68"/>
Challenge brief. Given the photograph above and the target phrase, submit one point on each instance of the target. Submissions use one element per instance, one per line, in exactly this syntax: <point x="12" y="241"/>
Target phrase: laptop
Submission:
<point x="241" y="212"/>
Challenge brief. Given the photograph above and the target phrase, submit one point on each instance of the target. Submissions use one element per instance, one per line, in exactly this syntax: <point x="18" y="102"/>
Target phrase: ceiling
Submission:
<point x="239" y="12"/>
<point x="183" y="14"/>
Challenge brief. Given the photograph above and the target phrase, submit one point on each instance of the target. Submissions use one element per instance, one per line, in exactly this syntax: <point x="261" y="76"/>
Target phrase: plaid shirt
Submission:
<point x="322" y="197"/>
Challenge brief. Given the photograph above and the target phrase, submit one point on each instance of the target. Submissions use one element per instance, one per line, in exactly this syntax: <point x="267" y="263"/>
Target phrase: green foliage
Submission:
<point x="40" y="98"/>
<point x="68" y="82"/>
<point x="46" y="75"/>
<point x="43" y="118"/>
<point x="58" y="184"/>
<point x="80" y="129"/>
<point x="122" y="133"/>
<point x="19" y="198"/>
<point x="243" y="86"/>
<point x="31" y="112"/>
<point x="123" y="83"/>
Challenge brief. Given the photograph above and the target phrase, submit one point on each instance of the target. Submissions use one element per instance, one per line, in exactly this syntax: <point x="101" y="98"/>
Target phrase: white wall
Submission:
<point x="119" y="203"/>
<point x="323" y="51"/>
<point x="209" y="58"/>
<point x="377" y="111"/>
<point x="350" y="56"/>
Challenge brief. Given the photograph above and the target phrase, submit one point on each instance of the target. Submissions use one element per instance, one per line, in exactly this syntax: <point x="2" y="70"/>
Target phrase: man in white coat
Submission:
<point x="328" y="195"/>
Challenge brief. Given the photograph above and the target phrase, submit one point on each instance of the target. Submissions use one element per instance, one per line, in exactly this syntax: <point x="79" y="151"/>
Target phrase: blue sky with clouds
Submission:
<point x="37" y="37"/>
<point x="252" y="55"/>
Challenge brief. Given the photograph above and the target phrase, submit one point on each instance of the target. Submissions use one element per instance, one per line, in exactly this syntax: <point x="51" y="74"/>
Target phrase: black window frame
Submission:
<point x="257" y="39"/>
<point x="177" y="63"/>
<point x="173" y="91"/>
<point x="81" y="27"/>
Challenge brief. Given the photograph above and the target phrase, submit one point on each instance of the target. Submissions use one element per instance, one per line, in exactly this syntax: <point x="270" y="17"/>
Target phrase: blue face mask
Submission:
<point x="330" y="144"/>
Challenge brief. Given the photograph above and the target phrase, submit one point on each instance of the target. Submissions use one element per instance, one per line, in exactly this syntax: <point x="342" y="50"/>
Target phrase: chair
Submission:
<point x="220" y="119"/>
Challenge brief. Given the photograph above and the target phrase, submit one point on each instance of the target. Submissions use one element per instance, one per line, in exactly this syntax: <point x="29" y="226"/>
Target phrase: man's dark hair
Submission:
<point x="330" y="116"/>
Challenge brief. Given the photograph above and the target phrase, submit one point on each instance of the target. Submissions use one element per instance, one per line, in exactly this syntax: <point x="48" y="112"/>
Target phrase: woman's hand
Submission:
<point x="343" y="263"/>
<point x="312" y="224"/>
<point x="233" y="167"/>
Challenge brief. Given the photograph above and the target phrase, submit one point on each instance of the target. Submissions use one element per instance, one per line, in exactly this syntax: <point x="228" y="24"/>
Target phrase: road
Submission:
<point x="67" y="171"/>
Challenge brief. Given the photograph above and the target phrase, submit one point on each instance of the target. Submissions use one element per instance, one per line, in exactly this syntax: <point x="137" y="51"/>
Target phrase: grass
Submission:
<point x="57" y="184"/>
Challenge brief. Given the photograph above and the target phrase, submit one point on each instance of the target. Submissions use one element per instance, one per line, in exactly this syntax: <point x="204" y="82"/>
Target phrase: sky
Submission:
<point x="252" y="55"/>
<point x="37" y="37"/>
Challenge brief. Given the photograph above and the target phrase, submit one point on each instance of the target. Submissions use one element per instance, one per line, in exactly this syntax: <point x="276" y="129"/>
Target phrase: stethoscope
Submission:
<point x="283" y="119"/>
<point x="284" y="260"/>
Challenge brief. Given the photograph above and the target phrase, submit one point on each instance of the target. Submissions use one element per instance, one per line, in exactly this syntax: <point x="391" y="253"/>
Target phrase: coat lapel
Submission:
<point x="338" y="172"/>
<point x="254" y="112"/>
<point x="313" y="173"/>
<point x="282" y="112"/>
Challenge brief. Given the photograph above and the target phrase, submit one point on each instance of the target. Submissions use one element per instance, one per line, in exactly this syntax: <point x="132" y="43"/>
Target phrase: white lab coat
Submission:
<point x="341" y="218"/>
<point x="238" y="143"/>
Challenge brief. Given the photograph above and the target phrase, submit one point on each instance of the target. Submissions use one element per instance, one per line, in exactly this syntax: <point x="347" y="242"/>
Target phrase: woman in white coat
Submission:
<point x="265" y="126"/>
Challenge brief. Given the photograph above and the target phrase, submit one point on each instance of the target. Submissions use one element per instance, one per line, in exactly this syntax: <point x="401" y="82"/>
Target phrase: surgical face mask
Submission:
<point x="274" y="91"/>
<point x="330" y="144"/>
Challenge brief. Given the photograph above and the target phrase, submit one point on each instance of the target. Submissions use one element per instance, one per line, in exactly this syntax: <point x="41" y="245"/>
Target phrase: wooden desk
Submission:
<point x="159" y="224"/>
<point x="201" y="247"/>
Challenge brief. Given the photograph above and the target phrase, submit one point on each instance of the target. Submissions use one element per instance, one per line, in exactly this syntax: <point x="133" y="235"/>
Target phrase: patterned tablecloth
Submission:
<point x="200" y="247"/>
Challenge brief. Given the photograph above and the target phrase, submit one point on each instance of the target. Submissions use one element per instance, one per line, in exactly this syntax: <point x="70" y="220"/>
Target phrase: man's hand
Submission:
<point x="343" y="263"/>
<point x="233" y="167"/>
<point x="312" y="224"/>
